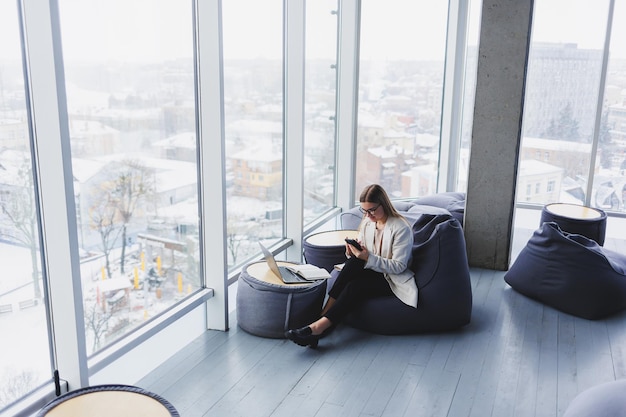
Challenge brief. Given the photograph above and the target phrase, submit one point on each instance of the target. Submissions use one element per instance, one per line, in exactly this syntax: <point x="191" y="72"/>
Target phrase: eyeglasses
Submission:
<point x="369" y="211"/>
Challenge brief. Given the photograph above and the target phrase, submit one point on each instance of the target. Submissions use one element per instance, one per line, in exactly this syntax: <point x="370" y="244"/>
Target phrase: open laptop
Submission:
<point x="288" y="277"/>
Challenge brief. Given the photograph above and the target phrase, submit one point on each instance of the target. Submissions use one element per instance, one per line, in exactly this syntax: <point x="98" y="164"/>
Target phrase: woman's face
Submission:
<point x="373" y="211"/>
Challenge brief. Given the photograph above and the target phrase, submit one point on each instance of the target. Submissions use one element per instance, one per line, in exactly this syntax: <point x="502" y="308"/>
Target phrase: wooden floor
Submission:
<point x="516" y="358"/>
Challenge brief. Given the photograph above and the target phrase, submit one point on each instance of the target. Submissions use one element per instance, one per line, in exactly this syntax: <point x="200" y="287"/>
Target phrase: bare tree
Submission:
<point x="96" y="321"/>
<point x="16" y="385"/>
<point x="102" y="214"/>
<point x="133" y="182"/>
<point x="237" y="232"/>
<point x="19" y="209"/>
<point x="115" y="201"/>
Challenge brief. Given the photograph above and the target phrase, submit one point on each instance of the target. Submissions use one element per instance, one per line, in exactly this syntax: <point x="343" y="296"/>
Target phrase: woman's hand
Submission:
<point x="359" y="254"/>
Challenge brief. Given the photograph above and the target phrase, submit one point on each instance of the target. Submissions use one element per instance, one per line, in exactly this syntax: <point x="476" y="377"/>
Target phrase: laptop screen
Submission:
<point x="270" y="261"/>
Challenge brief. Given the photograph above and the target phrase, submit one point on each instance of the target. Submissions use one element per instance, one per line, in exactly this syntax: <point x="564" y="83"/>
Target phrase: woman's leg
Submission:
<point x="352" y="287"/>
<point x="371" y="284"/>
<point x="352" y="269"/>
<point x="329" y="303"/>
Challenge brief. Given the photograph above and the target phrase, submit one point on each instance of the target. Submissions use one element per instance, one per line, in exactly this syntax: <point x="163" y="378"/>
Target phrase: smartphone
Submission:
<point x="354" y="243"/>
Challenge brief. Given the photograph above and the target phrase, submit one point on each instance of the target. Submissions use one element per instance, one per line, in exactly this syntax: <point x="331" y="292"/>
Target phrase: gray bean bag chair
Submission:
<point x="268" y="310"/>
<point x="442" y="275"/>
<point x="571" y="273"/>
<point x="454" y="202"/>
<point x="604" y="400"/>
<point x="351" y="219"/>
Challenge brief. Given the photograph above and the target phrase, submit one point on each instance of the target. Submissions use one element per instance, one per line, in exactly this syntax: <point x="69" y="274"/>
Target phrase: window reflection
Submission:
<point x="24" y="351"/>
<point x="130" y="95"/>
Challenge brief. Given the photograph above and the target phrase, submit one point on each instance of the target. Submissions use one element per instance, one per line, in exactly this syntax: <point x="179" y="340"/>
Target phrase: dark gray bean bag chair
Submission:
<point x="454" y="202"/>
<point x="571" y="273"/>
<point x="604" y="400"/>
<point x="268" y="310"/>
<point x="442" y="275"/>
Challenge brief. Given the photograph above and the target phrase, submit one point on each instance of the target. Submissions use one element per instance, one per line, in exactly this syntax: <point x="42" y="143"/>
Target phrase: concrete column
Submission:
<point x="492" y="177"/>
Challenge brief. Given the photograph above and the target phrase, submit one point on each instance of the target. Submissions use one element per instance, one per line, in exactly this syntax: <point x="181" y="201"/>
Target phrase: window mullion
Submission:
<point x="452" y="108"/>
<point x="55" y="187"/>
<point x="347" y="101"/>
<point x="600" y="103"/>
<point x="210" y="102"/>
<point x="293" y="154"/>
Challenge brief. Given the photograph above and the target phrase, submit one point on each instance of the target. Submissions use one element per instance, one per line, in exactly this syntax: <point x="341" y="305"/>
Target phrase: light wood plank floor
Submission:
<point x="516" y="358"/>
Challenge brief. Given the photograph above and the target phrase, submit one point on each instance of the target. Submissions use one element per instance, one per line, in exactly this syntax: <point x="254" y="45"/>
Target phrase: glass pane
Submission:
<point x="24" y="350"/>
<point x="130" y="94"/>
<point x="400" y="94"/>
<point x="319" y="111"/>
<point x="253" y="112"/>
<point x="469" y="92"/>
<point x="610" y="181"/>
<point x="563" y="77"/>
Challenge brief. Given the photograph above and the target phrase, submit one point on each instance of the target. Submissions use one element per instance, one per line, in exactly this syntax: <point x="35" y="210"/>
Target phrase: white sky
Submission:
<point x="144" y="30"/>
<point x="253" y="27"/>
<point x="580" y="21"/>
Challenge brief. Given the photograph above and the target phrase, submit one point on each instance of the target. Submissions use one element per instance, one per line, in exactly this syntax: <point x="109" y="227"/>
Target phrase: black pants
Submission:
<point x="355" y="285"/>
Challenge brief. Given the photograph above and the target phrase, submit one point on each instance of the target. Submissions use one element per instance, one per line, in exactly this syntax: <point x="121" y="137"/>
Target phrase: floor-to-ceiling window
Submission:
<point x="131" y="107"/>
<point x="253" y="112"/>
<point x="401" y="78"/>
<point x="319" y="111"/>
<point x="24" y="350"/>
<point x="129" y="88"/>
<point x="573" y="147"/>
<point x="610" y="180"/>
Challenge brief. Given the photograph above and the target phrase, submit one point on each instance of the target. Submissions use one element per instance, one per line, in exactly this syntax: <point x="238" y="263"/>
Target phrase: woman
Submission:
<point x="380" y="268"/>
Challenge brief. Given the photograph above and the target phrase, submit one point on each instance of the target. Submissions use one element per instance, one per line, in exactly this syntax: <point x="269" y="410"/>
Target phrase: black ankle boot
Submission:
<point x="303" y="336"/>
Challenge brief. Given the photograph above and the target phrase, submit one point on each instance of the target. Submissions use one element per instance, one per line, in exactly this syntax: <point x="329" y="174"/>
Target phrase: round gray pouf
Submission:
<point x="267" y="307"/>
<point x="327" y="249"/>
<point x="578" y="219"/>
<point x="604" y="400"/>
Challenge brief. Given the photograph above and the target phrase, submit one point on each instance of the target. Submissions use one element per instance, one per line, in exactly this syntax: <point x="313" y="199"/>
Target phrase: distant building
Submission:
<point x="538" y="182"/>
<point x="13" y="134"/>
<point x="384" y="166"/>
<point x="243" y="131"/>
<point x="572" y="157"/>
<point x="420" y="180"/>
<point x="180" y="147"/>
<point x="169" y="190"/>
<point x="91" y="138"/>
<point x="617" y="120"/>
<point x="574" y="73"/>
<point x="257" y="173"/>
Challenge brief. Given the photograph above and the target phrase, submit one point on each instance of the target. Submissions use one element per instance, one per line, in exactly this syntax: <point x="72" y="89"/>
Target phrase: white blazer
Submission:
<point x="395" y="256"/>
